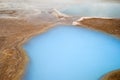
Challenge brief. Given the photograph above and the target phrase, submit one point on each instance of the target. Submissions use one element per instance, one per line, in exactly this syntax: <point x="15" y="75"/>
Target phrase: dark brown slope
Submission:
<point x="110" y="26"/>
<point x="13" y="33"/>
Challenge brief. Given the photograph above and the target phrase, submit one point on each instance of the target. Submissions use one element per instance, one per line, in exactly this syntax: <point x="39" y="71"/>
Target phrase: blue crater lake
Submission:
<point x="71" y="53"/>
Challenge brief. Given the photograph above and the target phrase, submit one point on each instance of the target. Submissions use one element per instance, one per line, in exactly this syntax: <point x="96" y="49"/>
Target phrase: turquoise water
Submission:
<point x="71" y="53"/>
<point x="94" y="10"/>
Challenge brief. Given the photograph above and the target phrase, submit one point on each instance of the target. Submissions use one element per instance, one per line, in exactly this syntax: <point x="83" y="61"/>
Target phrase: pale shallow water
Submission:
<point x="71" y="53"/>
<point x="94" y="10"/>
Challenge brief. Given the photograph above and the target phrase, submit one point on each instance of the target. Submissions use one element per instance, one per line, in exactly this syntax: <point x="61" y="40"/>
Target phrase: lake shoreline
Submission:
<point x="15" y="32"/>
<point x="12" y="52"/>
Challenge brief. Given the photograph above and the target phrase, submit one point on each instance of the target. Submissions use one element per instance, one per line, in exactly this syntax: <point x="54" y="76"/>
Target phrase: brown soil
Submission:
<point x="114" y="75"/>
<point x="13" y="33"/>
<point x="110" y="26"/>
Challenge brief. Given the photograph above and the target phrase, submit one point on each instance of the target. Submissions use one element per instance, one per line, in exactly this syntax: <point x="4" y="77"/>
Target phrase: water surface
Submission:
<point x="94" y="10"/>
<point x="72" y="53"/>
